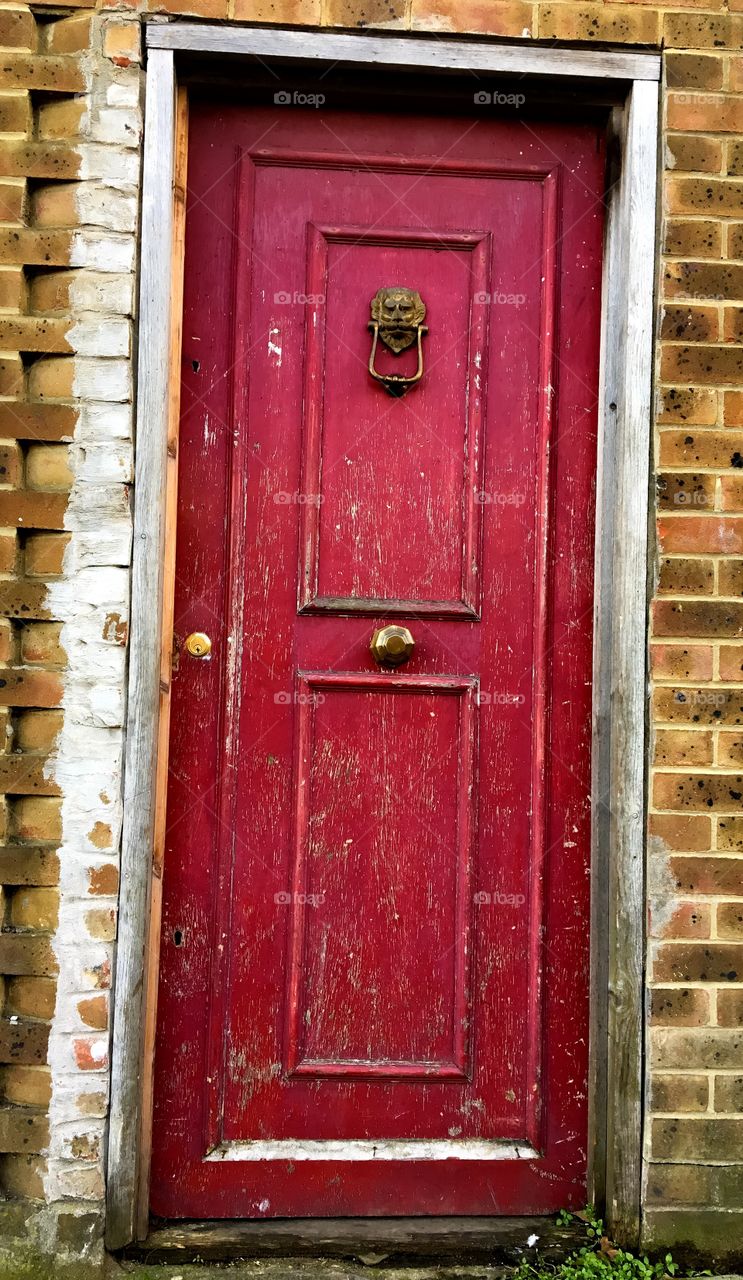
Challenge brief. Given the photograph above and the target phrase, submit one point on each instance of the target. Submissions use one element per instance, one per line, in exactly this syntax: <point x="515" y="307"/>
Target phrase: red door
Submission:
<point x="374" y="983"/>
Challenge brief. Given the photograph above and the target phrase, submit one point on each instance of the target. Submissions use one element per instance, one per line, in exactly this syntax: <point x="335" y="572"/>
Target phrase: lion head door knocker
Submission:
<point x="397" y="318"/>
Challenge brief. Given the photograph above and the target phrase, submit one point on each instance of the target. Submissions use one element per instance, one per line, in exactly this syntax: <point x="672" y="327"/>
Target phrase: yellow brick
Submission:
<point x="7" y="640"/>
<point x="31" y="997"/>
<point x="37" y="730"/>
<point x="56" y="205"/>
<point x="15" y="112"/>
<point x="12" y="201"/>
<point x="700" y="30"/>
<point x="618" y="23"/>
<point x="26" y="1086"/>
<point x="8" y="554"/>
<point x="22" y="1177"/>
<point x="121" y="41"/>
<point x="33" y="908"/>
<point x="41" y="644"/>
<point x="44" y="554"/>
<point x="52" y="378"/>
<point x="63" y="119"/>
<point x="69" y="35"/>
<point x="11" y="375"/>
<point x="11" y="462"/>
<point x="101" y="924"/>
<point x="36" y="818"/>
<point x="17" y="28"/>
<point x="47" y="467"/>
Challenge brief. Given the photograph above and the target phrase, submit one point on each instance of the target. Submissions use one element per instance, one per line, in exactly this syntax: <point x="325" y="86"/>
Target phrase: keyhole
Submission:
<point x="178" y="937"/>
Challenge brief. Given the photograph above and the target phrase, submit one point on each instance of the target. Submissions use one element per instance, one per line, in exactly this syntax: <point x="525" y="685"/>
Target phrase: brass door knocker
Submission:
<point x="397" y="318"/>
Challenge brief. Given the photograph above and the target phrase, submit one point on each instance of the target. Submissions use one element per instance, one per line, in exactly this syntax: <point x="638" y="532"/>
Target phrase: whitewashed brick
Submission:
<point x="121" y="126"/>
<point x="125" y="92"/>
<point x="99" y="205"/>
<point x="114" y="164"/>
<point x="74" y="1182"/>
<point x="97" y="337"/>
<point x="111" y="546"/>
<point x="93" y="291"/>
<point x="102" y="252"/>
<point x="104" y="422"/>
<point x="102" y="379"/>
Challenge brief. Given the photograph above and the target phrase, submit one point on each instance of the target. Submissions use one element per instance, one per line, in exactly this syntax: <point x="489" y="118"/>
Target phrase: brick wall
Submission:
<point x="69" y="164"/>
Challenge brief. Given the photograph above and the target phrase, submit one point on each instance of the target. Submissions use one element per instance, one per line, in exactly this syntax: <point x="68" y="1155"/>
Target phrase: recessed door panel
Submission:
<point x="381" y="884"/>
<point x="374" y="471"/>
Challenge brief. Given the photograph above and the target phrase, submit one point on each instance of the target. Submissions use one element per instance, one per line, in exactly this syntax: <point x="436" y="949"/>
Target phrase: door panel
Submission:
<point x="374" y="965"/>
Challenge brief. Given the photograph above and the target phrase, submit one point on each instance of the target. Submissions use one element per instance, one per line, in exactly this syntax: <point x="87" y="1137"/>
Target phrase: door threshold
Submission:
<point x="372" y="1240"/>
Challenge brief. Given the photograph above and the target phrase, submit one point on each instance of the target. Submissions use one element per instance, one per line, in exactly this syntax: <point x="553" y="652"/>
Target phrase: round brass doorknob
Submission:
<point x="198" y="644"/>
<point x="392" y="645"/>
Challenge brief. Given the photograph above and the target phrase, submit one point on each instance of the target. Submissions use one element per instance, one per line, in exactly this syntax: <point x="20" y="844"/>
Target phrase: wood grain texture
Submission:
<point x="153" y="406"/>
<point x="495" y="1240"/>
<point x="630" y="309"/>
<point x="166" y="653"/>
<point x="405" y="53"/>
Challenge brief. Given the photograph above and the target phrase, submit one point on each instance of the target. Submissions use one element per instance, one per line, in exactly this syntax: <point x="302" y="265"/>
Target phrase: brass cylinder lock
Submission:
<point x="392" y="645"/>
<point x="198" y="644"/>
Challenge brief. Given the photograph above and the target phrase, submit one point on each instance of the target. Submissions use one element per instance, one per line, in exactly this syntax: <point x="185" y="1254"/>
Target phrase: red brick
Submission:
<point x="687" y="920"/>
<point x="684" y="833"/>
<point x="482" y="17"/>
<point x="731" y="493"/>
<point x="705" y="113"/>
<point x="731" y="662"/>
<point x="703" y="535"/>
<point x="681" y="662"/>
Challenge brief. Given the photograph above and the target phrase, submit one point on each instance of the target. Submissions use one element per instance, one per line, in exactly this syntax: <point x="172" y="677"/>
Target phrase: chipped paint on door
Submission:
<point x="377" y="876"/>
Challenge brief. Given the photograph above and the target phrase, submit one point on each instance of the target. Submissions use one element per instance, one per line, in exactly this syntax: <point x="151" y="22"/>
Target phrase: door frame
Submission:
<point x="619" y="735"/>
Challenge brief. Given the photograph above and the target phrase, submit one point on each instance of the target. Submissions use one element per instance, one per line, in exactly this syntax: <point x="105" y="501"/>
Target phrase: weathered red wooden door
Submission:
<point x="374" y="984"/>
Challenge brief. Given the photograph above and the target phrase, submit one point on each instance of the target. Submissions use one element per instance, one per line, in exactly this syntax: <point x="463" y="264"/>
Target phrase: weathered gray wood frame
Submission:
<point x="621" y="559"/>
